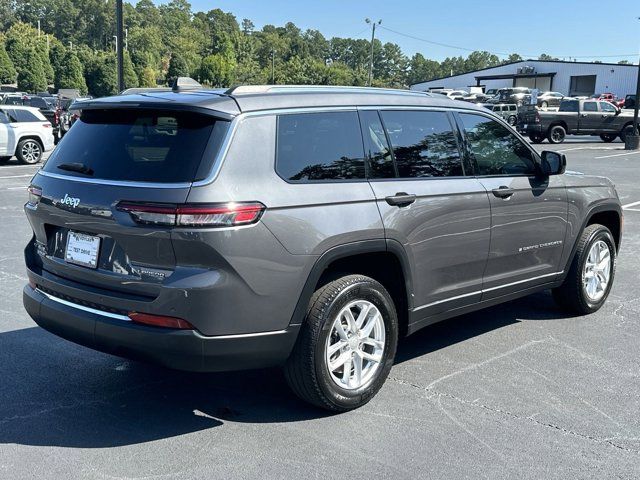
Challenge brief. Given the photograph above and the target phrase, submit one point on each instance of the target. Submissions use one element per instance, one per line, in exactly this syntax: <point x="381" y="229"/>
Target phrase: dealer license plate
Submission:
<point x="82" y="249"/>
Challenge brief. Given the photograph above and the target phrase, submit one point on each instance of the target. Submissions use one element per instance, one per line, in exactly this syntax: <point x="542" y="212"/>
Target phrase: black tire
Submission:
<point x="628" y="130"/>
<point x="512" y="120"/>
<point x="29" y="151"/>
<point x="4" y="160"/>
<point x="571" y="295"/>
<point x="607" y="137"/>
<point x="536" y="138"/>
<point x="556" y="134"/>
<point x="306" y="370"/>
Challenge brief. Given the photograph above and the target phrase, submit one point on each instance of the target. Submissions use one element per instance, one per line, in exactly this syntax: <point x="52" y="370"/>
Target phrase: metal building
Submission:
<point x="568" y="78"/>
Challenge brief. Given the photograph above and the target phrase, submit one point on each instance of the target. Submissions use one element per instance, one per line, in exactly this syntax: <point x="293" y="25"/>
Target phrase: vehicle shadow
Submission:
<point x="55" y="393"/>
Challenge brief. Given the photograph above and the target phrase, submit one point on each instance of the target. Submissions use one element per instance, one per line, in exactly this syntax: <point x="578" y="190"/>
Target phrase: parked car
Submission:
<point x="25" y="133"/>
<point x="491" y="92"/>
<point x="576" y="117"/>
<point x="364" y="218"/>
<point x="69" y="113"/>
<point x="549" y="99"/>
<point x="508" y="111"/>
<point x="517" y="95"/>
<point x="450" y="93"/>
<point x="609" y="97"/>
<point x="45" y="105"/>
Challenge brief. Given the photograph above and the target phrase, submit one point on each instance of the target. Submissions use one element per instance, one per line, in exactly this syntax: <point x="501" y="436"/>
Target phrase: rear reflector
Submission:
<point x="160" y="321"/>
<point x="47" y="125"/>
<point x="194" y="215"/>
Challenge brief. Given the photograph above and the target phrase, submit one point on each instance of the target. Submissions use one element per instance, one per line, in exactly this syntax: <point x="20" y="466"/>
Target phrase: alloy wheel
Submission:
<point x="597" y="271"/>
<point x="31" y="151"/>
<point x="355" y="345"/>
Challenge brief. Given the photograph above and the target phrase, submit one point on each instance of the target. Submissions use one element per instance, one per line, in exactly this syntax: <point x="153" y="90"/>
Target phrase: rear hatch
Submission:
<point x="140" y="156"/>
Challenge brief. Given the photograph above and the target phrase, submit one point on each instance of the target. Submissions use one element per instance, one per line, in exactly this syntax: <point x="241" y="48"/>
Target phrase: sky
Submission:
<point x="567" y="28"/>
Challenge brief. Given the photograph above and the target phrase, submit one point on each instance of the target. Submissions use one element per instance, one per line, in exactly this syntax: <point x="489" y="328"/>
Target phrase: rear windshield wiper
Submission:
<point x="76" y="167"/>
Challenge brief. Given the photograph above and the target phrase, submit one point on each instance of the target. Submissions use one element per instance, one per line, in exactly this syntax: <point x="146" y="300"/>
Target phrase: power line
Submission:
<point x="446" y="45"/>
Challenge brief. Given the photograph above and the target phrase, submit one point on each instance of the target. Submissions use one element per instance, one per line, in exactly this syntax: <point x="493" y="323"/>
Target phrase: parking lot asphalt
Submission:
<point x="520" y="390"/>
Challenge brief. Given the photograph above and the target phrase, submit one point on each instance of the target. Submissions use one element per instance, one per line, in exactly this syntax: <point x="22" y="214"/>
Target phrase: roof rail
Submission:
<point x="249" y="89"/>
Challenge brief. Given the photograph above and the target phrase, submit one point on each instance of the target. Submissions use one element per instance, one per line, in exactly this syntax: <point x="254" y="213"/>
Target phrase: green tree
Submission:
<point x="514" y="57"/>
<point x="422" y="69"/>
<point x="544" y="56"/>
<point x="130" y="75"/>
<point x="69" y="74"/>
<point x="101" y="75"/>
<point x="177" y="68"/>
<point x="217" y="70"/>
<point x="33" y="77"/>
<point x="7" y="70"/>
<point x="148" y="77"/>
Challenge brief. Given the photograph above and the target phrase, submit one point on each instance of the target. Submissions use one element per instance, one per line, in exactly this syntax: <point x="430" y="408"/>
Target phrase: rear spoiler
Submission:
<point x="133" y="105"/>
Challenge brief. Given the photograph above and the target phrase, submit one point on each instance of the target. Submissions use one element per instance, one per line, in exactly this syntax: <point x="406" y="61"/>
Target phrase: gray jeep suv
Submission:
<point x="304" y="227"/>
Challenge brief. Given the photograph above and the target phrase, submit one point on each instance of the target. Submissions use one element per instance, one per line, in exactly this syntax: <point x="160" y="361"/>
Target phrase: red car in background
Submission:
<point x="609" y="97"/>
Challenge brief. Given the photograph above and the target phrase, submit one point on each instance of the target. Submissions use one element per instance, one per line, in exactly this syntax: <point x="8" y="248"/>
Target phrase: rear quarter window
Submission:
<point x="144" y="146"/>
<point x="26" y="116"/>
<point x="319" y="147"/>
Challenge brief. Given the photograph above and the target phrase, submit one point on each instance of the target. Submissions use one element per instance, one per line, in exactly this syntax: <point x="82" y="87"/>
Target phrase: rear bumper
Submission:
<point x="531" y="129"/>
<point x="179" y="349"/>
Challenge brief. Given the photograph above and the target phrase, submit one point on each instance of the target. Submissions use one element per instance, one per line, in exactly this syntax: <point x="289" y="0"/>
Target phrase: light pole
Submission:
<point x="119" y="45"/>
<point x="273" y="67"/>
<point x="373" y="36"/>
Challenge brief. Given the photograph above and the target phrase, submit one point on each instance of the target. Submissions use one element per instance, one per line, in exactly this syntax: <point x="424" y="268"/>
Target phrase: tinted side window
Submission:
<point x="3" y="117"/>
<point x="495" y="149"/>
<point x="424" y="144"/>
<point x="319" y="146"/>
<point x="590" y="107"/>
<point x="376" y="146"/>
<point x="25" y="116"/>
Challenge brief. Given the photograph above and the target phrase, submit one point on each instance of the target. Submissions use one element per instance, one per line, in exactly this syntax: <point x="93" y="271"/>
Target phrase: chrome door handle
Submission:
<point x="503" y="192"/>
<point x="401" y="199"/>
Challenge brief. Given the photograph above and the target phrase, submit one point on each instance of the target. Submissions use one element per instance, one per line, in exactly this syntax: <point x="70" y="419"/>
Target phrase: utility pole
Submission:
<point x="373" y="36"/>
<point x="126" y="39"/>
<point x="119" y="45"/>
<point x="38" y="28"/>
<point x="273" y="67"/>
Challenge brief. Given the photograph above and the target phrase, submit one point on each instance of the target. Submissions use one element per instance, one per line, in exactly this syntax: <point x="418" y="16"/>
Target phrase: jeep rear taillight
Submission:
<point x="35" y="194"/>
<point x="194" y="215"/>
<point x="537" y="120"/>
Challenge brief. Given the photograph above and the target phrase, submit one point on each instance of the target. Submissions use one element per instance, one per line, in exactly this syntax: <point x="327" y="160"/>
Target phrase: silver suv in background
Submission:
<point x="304" y="227"/>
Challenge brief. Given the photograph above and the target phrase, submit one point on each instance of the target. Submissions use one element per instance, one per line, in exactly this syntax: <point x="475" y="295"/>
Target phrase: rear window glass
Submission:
<point x="320" y="146"/>
<point x="569" y="106"/>
<point x="145" y="146"/>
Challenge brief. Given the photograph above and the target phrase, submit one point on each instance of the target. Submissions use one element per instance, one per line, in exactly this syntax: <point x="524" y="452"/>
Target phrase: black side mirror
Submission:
<point x="553" y="163"/>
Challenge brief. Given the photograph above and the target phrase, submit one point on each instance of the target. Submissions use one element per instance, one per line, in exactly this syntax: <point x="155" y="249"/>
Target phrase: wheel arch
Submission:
<point x="30" y="136"/>
<point x="381" y="259"/>
<point x="608" y="214"/>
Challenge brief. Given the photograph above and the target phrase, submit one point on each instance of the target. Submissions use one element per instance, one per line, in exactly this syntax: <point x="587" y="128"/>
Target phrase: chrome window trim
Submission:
<point x="95" y="311"/>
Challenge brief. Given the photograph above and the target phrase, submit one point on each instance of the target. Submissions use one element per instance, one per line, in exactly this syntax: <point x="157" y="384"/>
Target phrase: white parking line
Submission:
<point x="629" y="205"/>
<point x="16" y="176"/>
<point x="22" y="187"/>
<point x="588" y="148"/>
<point x="618" y="155"/>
